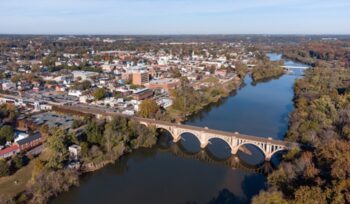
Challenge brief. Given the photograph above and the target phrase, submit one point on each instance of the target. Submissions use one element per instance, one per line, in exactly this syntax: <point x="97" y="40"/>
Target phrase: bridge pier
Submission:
<point x="176" y="139"/>
<point x="234" y="150"/>
<point x="204" y="144"/>
<point x="268" y="158"/>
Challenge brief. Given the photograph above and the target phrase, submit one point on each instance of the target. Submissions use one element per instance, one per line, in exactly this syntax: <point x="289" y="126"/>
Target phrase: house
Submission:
<point x="9" y="151"/>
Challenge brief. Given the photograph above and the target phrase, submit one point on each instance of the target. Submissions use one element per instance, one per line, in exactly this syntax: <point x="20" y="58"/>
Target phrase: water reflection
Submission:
<point x="219" y="148"/>
<point x="217" y="155"/>
<point x="190" y="143"/>
<point x="251" y="155"/>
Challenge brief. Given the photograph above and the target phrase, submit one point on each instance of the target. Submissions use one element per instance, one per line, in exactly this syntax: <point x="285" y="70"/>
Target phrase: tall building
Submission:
<point x="140" y="77"/>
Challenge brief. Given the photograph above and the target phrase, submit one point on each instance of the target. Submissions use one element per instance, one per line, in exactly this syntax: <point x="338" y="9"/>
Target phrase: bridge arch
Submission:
<point x="190" y="141"/>
<point x="274" y="151"/>
<point x="219" y="147"/>
<point x="167" y="129"/>
<point x="260" y="147"/>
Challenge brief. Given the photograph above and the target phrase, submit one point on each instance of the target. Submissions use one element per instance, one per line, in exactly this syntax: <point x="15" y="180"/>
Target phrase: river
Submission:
<point x="182" y="173"/>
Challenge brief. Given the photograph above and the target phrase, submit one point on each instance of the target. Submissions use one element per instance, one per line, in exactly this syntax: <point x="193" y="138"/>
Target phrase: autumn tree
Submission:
<point x="148" y="108"/>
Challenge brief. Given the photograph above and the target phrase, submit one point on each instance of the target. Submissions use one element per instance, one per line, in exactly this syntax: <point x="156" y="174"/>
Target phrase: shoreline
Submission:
<point x="179" y="116"/>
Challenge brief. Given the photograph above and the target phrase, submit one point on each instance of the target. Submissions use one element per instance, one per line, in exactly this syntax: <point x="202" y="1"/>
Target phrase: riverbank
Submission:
<point x="213" y="94"/>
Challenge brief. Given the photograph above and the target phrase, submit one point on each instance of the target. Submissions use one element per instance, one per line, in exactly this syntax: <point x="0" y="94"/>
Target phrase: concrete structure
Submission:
<point x="74" y="152"/>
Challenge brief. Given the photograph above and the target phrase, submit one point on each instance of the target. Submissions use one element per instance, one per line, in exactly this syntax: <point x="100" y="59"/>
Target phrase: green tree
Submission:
<point x="4" y="168"/>
<point x="19" y="161"/>
<point x="99" y="93"/>
<point x="94" y="132"/>
<point x="57" y="146"/>
<point x="6" y="133"/>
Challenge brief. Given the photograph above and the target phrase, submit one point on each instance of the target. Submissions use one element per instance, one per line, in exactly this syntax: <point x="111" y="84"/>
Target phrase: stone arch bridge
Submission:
<point x="268" y="146"/>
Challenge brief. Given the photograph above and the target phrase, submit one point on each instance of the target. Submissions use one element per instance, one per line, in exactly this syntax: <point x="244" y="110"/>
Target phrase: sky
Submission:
<point x="174" y="17"/>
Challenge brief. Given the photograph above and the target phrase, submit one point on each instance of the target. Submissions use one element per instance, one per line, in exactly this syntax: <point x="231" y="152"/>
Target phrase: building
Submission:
<point x="166" y="84"/>
<point x="21" y="136"/>
<point x="74" y="152"/>
<point x="76" y="93"/>
<point x="143" y="94"/>
<point x="30" y="142"/>
<point x="9" y="151"/>
<point x="140" y="77"/>
<point x="8" y="85"/>
<point x="84" y="75"/>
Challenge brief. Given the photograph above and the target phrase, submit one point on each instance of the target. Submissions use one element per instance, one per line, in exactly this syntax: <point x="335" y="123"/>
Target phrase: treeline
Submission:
<point x="102" y="143"/>
<point x="320" y="53"/>
<point x="266" y="69"/>
<point x="320" y="172"/>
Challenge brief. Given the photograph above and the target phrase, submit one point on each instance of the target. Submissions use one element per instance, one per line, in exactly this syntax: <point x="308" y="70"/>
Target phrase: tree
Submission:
<point x="93" y="132"/>
<point x="19" y="161"/>
<point x="56" y="144"/>
<point x="99" y="93"/>
<point x="4" y="168"/>
<point x="37" y="168"/>
<point x="148" y="108"/>
<point x="310" y="195"/>
<point x="275" y="197"/>
<point x="6" y="133"/>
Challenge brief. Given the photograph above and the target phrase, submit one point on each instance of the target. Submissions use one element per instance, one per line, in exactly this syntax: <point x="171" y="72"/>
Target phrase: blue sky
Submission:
<point x="175" y="16"/>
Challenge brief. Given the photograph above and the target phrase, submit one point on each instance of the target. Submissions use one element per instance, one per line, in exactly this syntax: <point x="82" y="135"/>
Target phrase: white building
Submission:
<point x="76" y="93"/>
<point x="84" y="75"/>
<point x="8" y="85"/>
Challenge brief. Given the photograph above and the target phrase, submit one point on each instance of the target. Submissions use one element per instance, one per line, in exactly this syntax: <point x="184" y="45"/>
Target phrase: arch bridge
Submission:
<point x="268" y="146"/>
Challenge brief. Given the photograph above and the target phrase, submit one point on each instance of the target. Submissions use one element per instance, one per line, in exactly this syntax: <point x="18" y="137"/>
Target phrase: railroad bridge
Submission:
<point x="268" y="146"/>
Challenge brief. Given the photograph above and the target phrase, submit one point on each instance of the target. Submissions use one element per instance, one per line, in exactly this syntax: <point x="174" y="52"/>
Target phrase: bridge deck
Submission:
<point x="214" y="132"/>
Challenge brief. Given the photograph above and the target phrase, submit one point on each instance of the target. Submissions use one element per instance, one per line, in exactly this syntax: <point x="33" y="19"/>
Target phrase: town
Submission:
<point x="40" y="75"/>
<point x="74" y="104"/>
